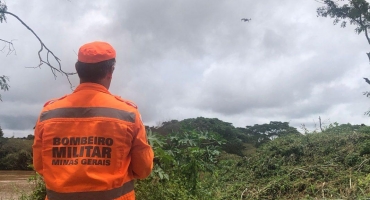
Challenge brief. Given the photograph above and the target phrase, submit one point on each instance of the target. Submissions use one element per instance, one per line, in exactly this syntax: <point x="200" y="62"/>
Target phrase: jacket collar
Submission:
<point x="91" y="86"/>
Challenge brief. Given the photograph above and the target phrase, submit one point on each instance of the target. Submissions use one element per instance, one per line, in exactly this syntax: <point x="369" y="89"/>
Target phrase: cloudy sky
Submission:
<point x="185" y="59"/>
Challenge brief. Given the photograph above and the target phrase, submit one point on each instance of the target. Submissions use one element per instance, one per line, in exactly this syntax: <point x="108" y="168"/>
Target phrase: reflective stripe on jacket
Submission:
<point x="91" y="145"/>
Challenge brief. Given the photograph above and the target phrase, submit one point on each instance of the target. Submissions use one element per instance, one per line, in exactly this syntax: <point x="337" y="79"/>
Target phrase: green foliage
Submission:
<point x="181" y="159"/>
<point x="15" y="153"/>
<point x="236" y="138"/>
<point x="364" y="181"/>
<point x="39" y="192"/>
<point x="365" y="148"/>
<point x="1" y="134"/>
<point x="3" y="83"/>
<point x="356" y="12"/>
<point x="319" y="165"/>
<point x="343" y="128"/>
<point x="30" y="137"/>
<point x="263" y="133"/>
<point x="3" y="79"/>
<point x="39" y="188"/>
<point x="333" y="164"/>
<point x="190" y="164"/>
<point x="3" y="8"/>
<point x="226" y="130"/>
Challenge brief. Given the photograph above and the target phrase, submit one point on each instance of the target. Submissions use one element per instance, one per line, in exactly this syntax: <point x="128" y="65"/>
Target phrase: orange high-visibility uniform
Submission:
<point x="91" y="145"/>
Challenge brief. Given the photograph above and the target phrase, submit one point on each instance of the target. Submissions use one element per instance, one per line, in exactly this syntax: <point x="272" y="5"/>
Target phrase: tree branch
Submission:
<point x="367" y="35"/>
<point x="320" y="124"/>
<point x="364" y="28"/>
<point x="3" y="84"/>
<point x="8" y="45"/>
<point x="42" y="47"/>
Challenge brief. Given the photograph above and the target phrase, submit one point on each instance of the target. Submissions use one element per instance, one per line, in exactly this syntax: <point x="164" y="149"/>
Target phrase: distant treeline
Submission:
<point x="237" y="139"/>
<point x="16" y="153"/>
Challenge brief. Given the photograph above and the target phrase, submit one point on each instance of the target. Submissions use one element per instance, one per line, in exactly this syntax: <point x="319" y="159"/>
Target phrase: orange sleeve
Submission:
<point x="37" y="149"/>
<point x="141" y="152"/>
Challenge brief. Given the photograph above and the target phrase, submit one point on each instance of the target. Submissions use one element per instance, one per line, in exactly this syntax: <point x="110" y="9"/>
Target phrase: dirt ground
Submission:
<point x="14" y="184"/>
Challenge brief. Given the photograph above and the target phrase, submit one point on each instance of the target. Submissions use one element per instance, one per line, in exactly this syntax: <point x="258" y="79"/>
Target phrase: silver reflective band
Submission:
<point x="93" y="195"/>
<point x="87" y="113"/>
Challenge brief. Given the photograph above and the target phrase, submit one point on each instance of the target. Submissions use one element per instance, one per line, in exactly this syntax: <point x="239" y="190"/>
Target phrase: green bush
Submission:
<point x="39" y="189"/>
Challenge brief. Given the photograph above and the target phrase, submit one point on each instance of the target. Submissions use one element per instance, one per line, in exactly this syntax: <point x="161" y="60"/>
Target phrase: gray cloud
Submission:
<point x="194" y="58"/>
<point x="21" y="122"/>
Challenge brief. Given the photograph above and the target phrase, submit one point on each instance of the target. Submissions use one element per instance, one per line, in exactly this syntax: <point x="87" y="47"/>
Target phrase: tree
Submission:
<point x="50" y="56"/>
<point x="357" y="12"/>
<point x="15" y="154"/>
<point x="234" y="139"/>
<point x="354" y="11"/>
<point x="262" y="133"/>
<point x="30" y="137"/>
<point x="1" y="133"/>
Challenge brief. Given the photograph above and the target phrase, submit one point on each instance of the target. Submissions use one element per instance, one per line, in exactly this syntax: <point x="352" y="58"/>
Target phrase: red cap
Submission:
<point x="95" y="52"/>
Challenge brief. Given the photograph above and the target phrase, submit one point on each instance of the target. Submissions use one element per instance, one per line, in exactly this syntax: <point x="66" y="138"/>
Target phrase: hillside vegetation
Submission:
<point x="210" y="159"/>
<point x="333" y="164"/>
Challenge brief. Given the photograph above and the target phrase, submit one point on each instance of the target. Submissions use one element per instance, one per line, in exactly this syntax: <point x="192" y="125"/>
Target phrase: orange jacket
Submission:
<point x="91" y="145"/>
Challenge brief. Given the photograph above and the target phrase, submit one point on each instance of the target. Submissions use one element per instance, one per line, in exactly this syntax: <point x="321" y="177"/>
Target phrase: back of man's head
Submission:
<point x="95" y="61"/>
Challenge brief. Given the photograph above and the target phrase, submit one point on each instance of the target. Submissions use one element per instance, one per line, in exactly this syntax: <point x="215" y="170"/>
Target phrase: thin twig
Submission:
<point x="362" y="163"/>
<point x="42" y="61"/>
<point x="241" y="196"/>
<point x="320" y="124"/>
<point x="300" y="170"/>
<point x="322" y="191"/>
<point x="10" y="46"/>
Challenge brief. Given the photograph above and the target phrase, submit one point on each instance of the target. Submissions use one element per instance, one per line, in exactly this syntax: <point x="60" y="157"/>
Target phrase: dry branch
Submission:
<point x="49" y="53"/>
<point x="8" y="45"/>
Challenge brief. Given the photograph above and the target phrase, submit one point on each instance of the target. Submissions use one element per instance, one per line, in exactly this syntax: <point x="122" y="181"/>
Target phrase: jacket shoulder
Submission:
<point x="54" y="100"/>
<point x="130" y="103"/>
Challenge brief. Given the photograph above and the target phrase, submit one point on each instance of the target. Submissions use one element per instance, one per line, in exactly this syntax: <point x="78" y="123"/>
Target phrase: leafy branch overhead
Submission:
<point x="3" y="84"/>
<point x="50" y="56"/>
<point x="3" y="9"/>
<point x="356" y="12"/>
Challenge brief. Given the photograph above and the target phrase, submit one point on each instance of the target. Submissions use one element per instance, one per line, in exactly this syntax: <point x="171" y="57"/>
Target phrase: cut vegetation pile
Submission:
<point x="333" y="164"/>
